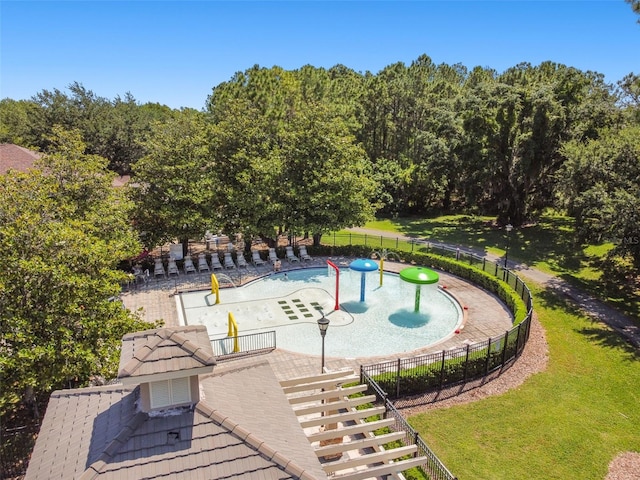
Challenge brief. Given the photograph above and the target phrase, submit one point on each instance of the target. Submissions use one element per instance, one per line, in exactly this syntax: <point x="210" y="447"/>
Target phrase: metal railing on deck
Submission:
<point x="251" y="344"/>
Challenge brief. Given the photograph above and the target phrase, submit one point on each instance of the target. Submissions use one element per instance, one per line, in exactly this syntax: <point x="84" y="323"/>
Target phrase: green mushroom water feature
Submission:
<point x="419" y="276"/>
<point x="363" y="265"/>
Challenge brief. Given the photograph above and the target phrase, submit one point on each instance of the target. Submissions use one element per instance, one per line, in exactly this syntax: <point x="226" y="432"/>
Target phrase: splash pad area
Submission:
<point x="291" y="303"/>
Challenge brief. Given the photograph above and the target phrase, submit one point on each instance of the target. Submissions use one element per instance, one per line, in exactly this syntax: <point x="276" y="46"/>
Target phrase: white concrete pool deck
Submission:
<point x="487" y="317"/>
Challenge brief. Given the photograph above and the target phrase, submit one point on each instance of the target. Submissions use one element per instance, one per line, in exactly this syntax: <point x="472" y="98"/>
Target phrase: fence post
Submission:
<point x="484" y="263"/>
<point x="466" y="364"/>
<point x="398" y="379"/>
<point x="486" y="365"/>
<point x="496" y="272"/>
<point x="397" y="240"/>
<point x="442" y="368"/>
<point x="412" y="245"/>
<point x="504" y="348"/>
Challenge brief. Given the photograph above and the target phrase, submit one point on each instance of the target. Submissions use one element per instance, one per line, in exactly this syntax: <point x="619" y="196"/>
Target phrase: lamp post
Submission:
<point x="508" y="227"/>
<point x="323" y="324"/>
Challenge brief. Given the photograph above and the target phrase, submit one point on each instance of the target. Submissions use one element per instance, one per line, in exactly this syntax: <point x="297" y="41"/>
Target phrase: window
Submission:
<point x="170" y="392"/>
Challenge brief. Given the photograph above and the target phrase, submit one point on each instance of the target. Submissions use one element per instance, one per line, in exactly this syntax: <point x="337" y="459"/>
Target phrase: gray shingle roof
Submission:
<point x="243" y="428"/>
<point x="165" y="350"/>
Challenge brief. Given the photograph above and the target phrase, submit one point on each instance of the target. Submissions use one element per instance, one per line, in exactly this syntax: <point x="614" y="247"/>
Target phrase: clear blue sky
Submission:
<point x="174" y="53"/>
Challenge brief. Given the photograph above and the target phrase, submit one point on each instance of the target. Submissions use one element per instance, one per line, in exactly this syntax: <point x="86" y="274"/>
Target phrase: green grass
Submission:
<point x="548" y="246"/>
<point x="569" y="421"/>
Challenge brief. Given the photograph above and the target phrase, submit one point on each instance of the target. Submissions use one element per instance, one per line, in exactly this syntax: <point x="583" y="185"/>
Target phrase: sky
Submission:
<point x="175" y="52"/>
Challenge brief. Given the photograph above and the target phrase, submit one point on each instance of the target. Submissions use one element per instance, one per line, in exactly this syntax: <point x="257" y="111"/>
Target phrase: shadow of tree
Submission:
<point x="557" y="296"/>
<point x="612" y="340"/>
<point x="560" y="296"/>
<point x="549" y="240"/>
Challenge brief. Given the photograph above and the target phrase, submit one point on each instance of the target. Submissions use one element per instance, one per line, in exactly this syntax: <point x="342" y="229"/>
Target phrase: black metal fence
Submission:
<point x="432" y="372"/>
<point x="229" y="348"/>
<point x="433" y="467"/>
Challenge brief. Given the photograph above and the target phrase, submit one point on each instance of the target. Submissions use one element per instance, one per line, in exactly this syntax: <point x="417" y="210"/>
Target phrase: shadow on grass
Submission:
<point x="550" y="240"/>
<point x="612" y="340"/>
<point x="558" y="297"/>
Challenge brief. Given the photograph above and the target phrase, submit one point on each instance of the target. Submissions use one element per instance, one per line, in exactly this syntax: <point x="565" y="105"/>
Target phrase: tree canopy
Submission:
<point x="63" y="231"/>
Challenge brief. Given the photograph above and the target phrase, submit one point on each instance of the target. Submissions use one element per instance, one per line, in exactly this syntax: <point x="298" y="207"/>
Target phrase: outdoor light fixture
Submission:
<point x="508" y="227"/>
<point x="323" y="324"/>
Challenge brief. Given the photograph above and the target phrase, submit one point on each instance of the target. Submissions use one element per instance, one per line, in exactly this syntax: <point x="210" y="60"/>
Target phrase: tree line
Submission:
<point x="313" y="149"/>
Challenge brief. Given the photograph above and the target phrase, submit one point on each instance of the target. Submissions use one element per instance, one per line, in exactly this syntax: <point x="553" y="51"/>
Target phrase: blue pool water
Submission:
<point x="291" y="303"/>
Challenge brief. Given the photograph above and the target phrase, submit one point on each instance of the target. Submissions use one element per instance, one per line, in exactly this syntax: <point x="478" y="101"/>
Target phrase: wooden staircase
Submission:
<point x="343" y="440"/>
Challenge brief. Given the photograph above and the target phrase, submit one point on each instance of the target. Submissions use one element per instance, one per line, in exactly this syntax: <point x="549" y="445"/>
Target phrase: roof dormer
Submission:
<point x="166" y="363"/>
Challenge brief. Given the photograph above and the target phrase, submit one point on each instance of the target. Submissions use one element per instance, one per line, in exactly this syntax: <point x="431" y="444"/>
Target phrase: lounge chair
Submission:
<point x="256" y="259"/>
<point x="241" y="261"/>
<point x="203" y="265"/>
<point x="140" y="276"/>
<point x="304" y="256"/>
<point x="188" y="265"/>
<point x="273" y="256"/>
<point x="228" y="261"/>
<point x="172" y="268"/>
<point x="290" y="255"/>
<point x="215" y="262"/>
<point x="158" y="269"/>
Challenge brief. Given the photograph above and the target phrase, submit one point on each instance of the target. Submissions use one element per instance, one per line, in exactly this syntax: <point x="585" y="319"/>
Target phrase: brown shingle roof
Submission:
<point x="13" y="157"/>
<point x="21" y="159"/>
<point x="165" y="350"/>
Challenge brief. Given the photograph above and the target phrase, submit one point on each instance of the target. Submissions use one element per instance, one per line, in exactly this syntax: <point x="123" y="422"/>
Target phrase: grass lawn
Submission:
<point x="547" y="245"/>
<point x="569" y="421"/>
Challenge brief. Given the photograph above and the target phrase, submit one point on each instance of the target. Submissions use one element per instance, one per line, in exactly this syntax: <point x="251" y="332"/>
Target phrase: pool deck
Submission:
<point x="486" y="315"/>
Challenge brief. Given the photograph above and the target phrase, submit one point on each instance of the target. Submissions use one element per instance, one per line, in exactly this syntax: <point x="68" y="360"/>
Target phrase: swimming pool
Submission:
<point x="292" y="302"/>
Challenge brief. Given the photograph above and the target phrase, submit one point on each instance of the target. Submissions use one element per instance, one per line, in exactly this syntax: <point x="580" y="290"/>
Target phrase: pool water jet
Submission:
<point x="419" y="276"/>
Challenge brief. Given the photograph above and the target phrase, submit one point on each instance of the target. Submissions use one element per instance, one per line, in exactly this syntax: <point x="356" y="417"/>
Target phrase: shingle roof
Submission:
<point x="253" y="398"/>
<point x="21" y="159"/>
<point x="164" y="350"/>
<point x="242" y="428"/>
<point x="13" y="157"/>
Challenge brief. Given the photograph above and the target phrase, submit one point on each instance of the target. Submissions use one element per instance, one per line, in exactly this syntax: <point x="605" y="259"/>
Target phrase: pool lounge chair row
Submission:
<point x="202" y="266"/>
<point x="290" y="256"/>
<point x="227" y="262"/>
